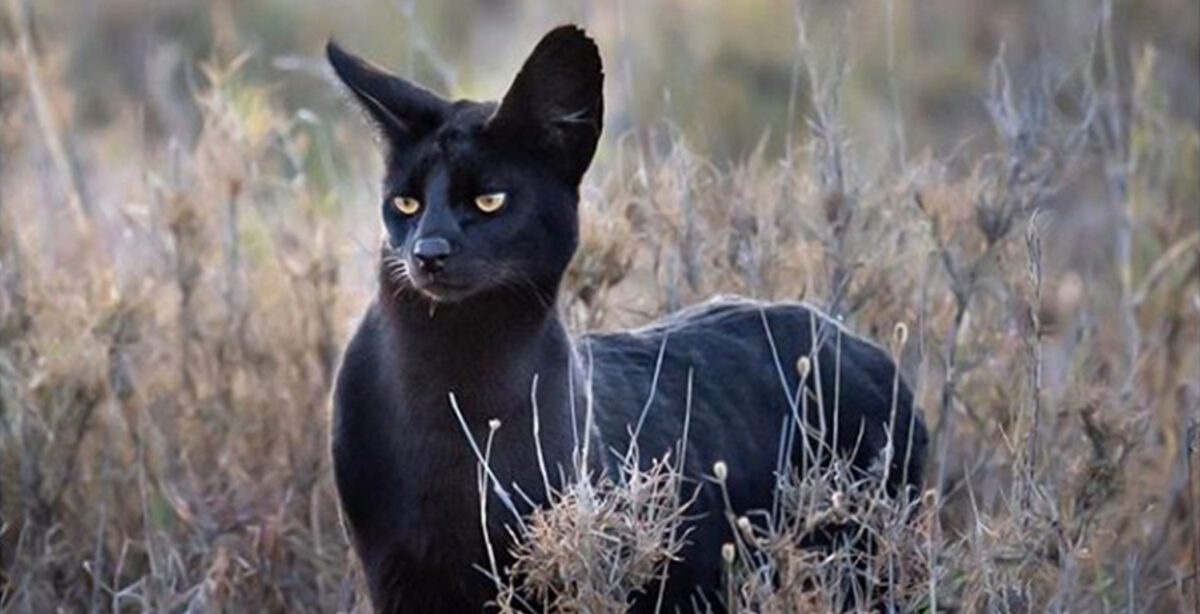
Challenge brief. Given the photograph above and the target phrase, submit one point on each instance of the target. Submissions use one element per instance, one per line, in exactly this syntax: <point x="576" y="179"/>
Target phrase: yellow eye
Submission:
<point x="490" y="203"/>
<point x="406" y="205"/>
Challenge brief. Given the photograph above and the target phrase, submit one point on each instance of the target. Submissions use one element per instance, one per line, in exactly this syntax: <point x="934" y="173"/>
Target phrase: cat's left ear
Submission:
<point x="402" y="111"/>
<point x="556" y="102"/>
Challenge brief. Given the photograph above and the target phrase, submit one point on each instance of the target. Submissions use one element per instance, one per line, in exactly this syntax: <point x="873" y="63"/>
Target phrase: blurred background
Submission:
<point x="688" y="61"/>
<point x="188" y="225"/>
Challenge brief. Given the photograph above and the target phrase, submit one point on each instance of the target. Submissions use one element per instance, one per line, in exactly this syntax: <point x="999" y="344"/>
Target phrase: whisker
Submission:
<point x="396" y="269"/>
<point x="512" y="278"/>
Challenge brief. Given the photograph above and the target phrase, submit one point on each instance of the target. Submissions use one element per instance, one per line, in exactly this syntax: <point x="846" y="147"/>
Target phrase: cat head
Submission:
<point x="481" y="197"/>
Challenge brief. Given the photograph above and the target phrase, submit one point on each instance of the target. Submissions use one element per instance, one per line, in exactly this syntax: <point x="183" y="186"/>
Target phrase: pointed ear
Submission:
<point x="556" y="102"/>
<point x="403" y="112"/>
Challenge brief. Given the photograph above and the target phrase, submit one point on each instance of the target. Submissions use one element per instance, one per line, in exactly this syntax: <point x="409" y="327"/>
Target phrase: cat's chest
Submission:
<point x="405" y="493"/>
<point x="406" y="469"/>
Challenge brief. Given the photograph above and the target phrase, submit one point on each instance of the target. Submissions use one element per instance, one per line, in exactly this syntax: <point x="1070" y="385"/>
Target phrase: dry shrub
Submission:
<point x="602" y="541"/>
<point x="837" y="542"/>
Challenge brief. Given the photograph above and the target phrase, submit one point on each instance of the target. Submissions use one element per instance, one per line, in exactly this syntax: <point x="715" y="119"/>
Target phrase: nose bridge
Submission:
<point x="438" y="221"/>
<point x="437" y="232"/>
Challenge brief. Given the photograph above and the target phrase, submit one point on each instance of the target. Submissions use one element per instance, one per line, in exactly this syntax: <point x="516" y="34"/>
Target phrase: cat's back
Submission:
<point x="735" y="360"/>
<point x="729" y="333"/>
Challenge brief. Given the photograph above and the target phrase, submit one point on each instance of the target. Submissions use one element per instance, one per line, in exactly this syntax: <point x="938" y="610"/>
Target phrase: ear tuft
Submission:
<point x="402" y="111"/>
<point x="556" y="100"/>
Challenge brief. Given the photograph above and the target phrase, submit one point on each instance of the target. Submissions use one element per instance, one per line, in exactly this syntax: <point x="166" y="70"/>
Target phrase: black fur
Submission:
<point x="484" y="326"/>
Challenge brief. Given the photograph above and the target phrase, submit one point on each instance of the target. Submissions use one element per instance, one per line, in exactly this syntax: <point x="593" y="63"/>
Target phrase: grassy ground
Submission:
<point x="171" y="313"/>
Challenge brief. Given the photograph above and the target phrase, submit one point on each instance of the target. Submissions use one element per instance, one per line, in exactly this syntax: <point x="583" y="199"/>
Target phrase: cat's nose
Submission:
<point x="431" y="254"/>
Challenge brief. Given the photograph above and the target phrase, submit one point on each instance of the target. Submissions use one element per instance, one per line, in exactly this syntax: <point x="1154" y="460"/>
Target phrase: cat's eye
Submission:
<point x="406" y="205"/>
<point x="490" y="203"/>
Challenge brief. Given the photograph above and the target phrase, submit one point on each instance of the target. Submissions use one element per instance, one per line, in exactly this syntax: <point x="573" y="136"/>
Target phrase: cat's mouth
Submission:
<point x="440" y="290"/>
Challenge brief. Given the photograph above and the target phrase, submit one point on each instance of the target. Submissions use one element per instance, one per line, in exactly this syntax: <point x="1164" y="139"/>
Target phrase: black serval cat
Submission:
<point x="480" y="206"/>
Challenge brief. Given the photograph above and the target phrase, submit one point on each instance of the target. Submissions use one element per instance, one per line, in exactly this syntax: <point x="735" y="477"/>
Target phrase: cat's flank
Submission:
<point x="479" y="201"/>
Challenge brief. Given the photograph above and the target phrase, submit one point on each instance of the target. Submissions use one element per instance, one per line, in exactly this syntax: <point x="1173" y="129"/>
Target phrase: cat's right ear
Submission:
<point x="556" y="102"/>
<point x="402" y="111"/>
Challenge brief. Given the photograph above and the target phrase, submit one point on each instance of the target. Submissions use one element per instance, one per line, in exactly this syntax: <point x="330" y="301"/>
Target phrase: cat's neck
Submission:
<point x="498" y="323"/>
<point x="489" y="347"/>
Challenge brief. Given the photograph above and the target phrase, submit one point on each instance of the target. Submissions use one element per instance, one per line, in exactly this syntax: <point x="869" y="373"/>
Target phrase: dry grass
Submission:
<point x="170" y="319"/>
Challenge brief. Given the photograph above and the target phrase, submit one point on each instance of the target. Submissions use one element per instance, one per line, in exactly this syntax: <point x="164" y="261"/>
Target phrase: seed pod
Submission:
<point x="803" y="366"/>
<point x="744" y="526"/>
<point x="900" y="334"/>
